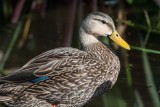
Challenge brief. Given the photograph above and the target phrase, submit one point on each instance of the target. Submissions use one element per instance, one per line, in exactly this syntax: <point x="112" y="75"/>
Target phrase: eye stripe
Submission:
<point x="108" y="24"/>
<point x="103" y="21"/>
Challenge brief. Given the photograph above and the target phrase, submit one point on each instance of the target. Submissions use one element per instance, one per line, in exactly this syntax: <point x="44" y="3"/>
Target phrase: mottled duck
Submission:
<point x="67" y="77"/>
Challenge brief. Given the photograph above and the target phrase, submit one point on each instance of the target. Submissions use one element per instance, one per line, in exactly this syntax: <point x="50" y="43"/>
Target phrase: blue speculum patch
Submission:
<point x="39" y="79"/>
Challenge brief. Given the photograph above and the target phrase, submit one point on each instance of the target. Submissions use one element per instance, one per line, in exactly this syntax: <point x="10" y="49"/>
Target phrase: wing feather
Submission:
<point x="44" y="64"/>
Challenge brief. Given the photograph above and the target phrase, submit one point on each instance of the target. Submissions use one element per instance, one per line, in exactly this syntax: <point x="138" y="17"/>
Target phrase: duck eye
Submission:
<point x="103" y="21"/>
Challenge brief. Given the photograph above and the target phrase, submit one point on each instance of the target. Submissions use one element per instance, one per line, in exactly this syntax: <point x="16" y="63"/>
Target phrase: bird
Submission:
<point x="66" y="76"/>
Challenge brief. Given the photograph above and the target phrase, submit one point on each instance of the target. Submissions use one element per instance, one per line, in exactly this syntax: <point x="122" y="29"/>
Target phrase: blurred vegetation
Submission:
<point x="30" y="27"/>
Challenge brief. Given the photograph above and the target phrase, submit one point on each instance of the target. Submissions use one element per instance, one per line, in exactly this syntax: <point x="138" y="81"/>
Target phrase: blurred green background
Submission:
<point x="30" y="27"/>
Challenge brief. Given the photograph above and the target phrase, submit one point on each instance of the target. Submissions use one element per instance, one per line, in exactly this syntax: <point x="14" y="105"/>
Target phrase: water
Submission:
<point x="131" y="88"/>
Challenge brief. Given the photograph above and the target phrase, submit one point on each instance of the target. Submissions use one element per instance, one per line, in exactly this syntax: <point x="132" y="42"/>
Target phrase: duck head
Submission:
<point x="100" y="24"/>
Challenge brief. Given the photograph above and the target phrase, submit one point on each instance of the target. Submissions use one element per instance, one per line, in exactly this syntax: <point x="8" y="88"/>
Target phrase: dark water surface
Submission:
<point x="131" y="88"/>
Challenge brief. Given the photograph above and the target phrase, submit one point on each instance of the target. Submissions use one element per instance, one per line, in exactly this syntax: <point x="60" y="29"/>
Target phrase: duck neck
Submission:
<point x="87" y="40"/>
<point x="92" y="45"/>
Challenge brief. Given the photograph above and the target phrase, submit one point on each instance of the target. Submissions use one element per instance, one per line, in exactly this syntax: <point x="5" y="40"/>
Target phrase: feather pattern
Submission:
<point x="66" y="77"/>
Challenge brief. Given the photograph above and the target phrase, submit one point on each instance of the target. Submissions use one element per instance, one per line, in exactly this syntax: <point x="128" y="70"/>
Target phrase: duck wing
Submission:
<point x="45" y="65"/>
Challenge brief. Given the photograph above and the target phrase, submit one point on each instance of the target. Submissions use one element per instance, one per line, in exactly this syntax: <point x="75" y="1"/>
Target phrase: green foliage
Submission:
<point x="136" y="22"/>
<point x="150" y="81"/>
<point x="145" y="50"/>
<point x="114" y="99"/>
<point x="136" y="2"/>
<point x="10" y="47"/>
<point x="139" y="101"/>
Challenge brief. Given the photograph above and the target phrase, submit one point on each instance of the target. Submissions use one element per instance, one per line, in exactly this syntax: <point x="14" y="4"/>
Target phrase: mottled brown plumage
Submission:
<point x="73" y="76"/>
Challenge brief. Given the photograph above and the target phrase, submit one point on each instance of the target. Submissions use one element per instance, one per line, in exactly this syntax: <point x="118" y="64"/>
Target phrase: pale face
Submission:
<point x="98" y="25"/>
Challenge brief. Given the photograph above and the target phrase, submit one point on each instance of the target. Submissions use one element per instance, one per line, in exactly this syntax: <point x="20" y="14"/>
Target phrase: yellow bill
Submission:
<point x="118" y="40"/>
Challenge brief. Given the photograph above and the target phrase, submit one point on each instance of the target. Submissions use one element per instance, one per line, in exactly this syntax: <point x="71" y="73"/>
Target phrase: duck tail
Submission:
<point x="8" y="88"/>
